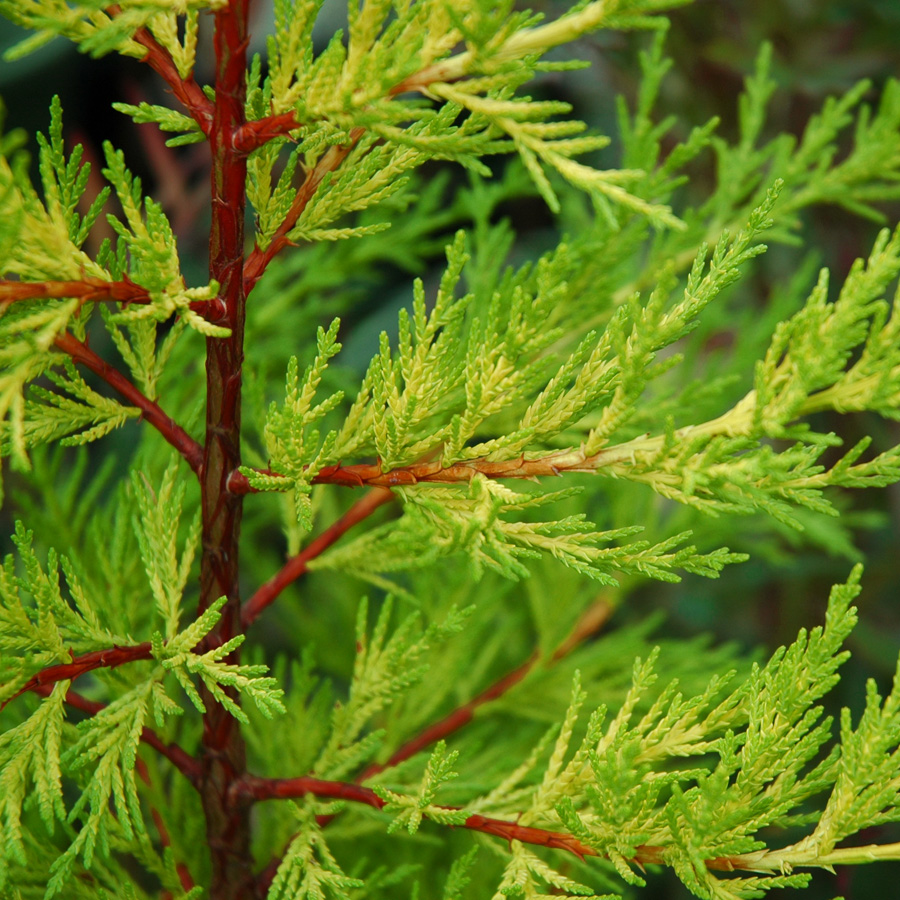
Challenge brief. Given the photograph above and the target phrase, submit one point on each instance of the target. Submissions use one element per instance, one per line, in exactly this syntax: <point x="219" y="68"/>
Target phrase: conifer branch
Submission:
<point x="80" y="665"/>
<point x="151" y="411"/>
<point x="188" y="92"/>
<point x="259" y="259"/>
<point x="373" y="475"/>
<point x="257" y="789"/>
<point x="578" y="362"/>
<point x="455" y="720"/>
<point x="94" y="290"/>
<point x="297" y="565"/>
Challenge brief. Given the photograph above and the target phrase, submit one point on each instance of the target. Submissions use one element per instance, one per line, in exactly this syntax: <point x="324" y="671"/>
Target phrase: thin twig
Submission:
<point x="373" y="475"/>
<point x="87" y="289"/>
<point x="256" y="788"/>
<point x="184" y="875"/>
<point x="297" y="565"/>
<point x="455" y="720"/>
<point x="150" y="410"/>
<point x="185" y="89"/>
<point x="258" y="259"/>
<point x="98" y="659"/>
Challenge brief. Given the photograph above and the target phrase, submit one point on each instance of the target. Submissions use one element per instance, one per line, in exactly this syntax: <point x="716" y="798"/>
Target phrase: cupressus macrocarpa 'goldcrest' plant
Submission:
<point x="473" y="735"/>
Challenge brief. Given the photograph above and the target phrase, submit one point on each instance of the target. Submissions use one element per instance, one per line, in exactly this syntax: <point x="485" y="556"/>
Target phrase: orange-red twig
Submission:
<point x="373" y="475"/>
<point x="184" y="875"/>
<point x="451" y="723"/>
<point x="188" y="92"/>
<point x="99" y="659"/>
<point x="151" y="411"/>
<point x="87" y="289"/>
<point x="258" y="259"/>
<point x="255" y="788"/>
<point x="589" y="624"/>
<point x="251" y="786"/>
<point x="296" y="566"/>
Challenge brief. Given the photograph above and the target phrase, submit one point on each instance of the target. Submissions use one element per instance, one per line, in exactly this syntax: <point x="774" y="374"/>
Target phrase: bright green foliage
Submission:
<point x="179" y="656"/>
<point x="410" y="810"/>
<point x="309" y="869"/>
<point x="384" y="668"/>
<point x="96" y="30"/>
<point x="593" y="363"/>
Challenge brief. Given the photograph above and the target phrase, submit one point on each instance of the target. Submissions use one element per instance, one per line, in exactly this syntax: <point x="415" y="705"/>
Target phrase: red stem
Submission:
<point x="188" y="92"/>
<point x="589" y="624"/>
<point x="451" y="723"/>
<point x="282" y="788"/>
<point x="256" y="788"/>
<point x="372" y="475"/>
<point x="87" y="290"/>
<point x="223" y="752"/>
<point x="184" y="876"/>
<point x="297" y="565"/>
<point x="151" y="411"/>
<point x="181" y="759"/>
<point x="253" y="135"/>
<point x="331" y="159"/>
<point x="98" y="659"/>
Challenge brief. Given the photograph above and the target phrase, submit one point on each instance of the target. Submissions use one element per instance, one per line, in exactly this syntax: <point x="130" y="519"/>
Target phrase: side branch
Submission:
<point x="188" y="92"/>
<point x="99" y="659"/>
<point x="455" y="720"/>
<point x="372" y="475"/>
<point x="259" y="259"/>
<point x="255" y="788"/>
<point x="165" y="425"/>
<point x="593" y="619"/>
<point x="165" y="840"/>
<point x="253" y="135"/>
<point x="180" y="758"/>
<point x="296" y="566"/>
<point x="87" y="290"/>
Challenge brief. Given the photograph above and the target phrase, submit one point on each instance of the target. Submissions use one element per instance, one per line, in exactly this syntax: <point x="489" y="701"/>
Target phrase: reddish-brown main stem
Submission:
<point x="222" y="756"/>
